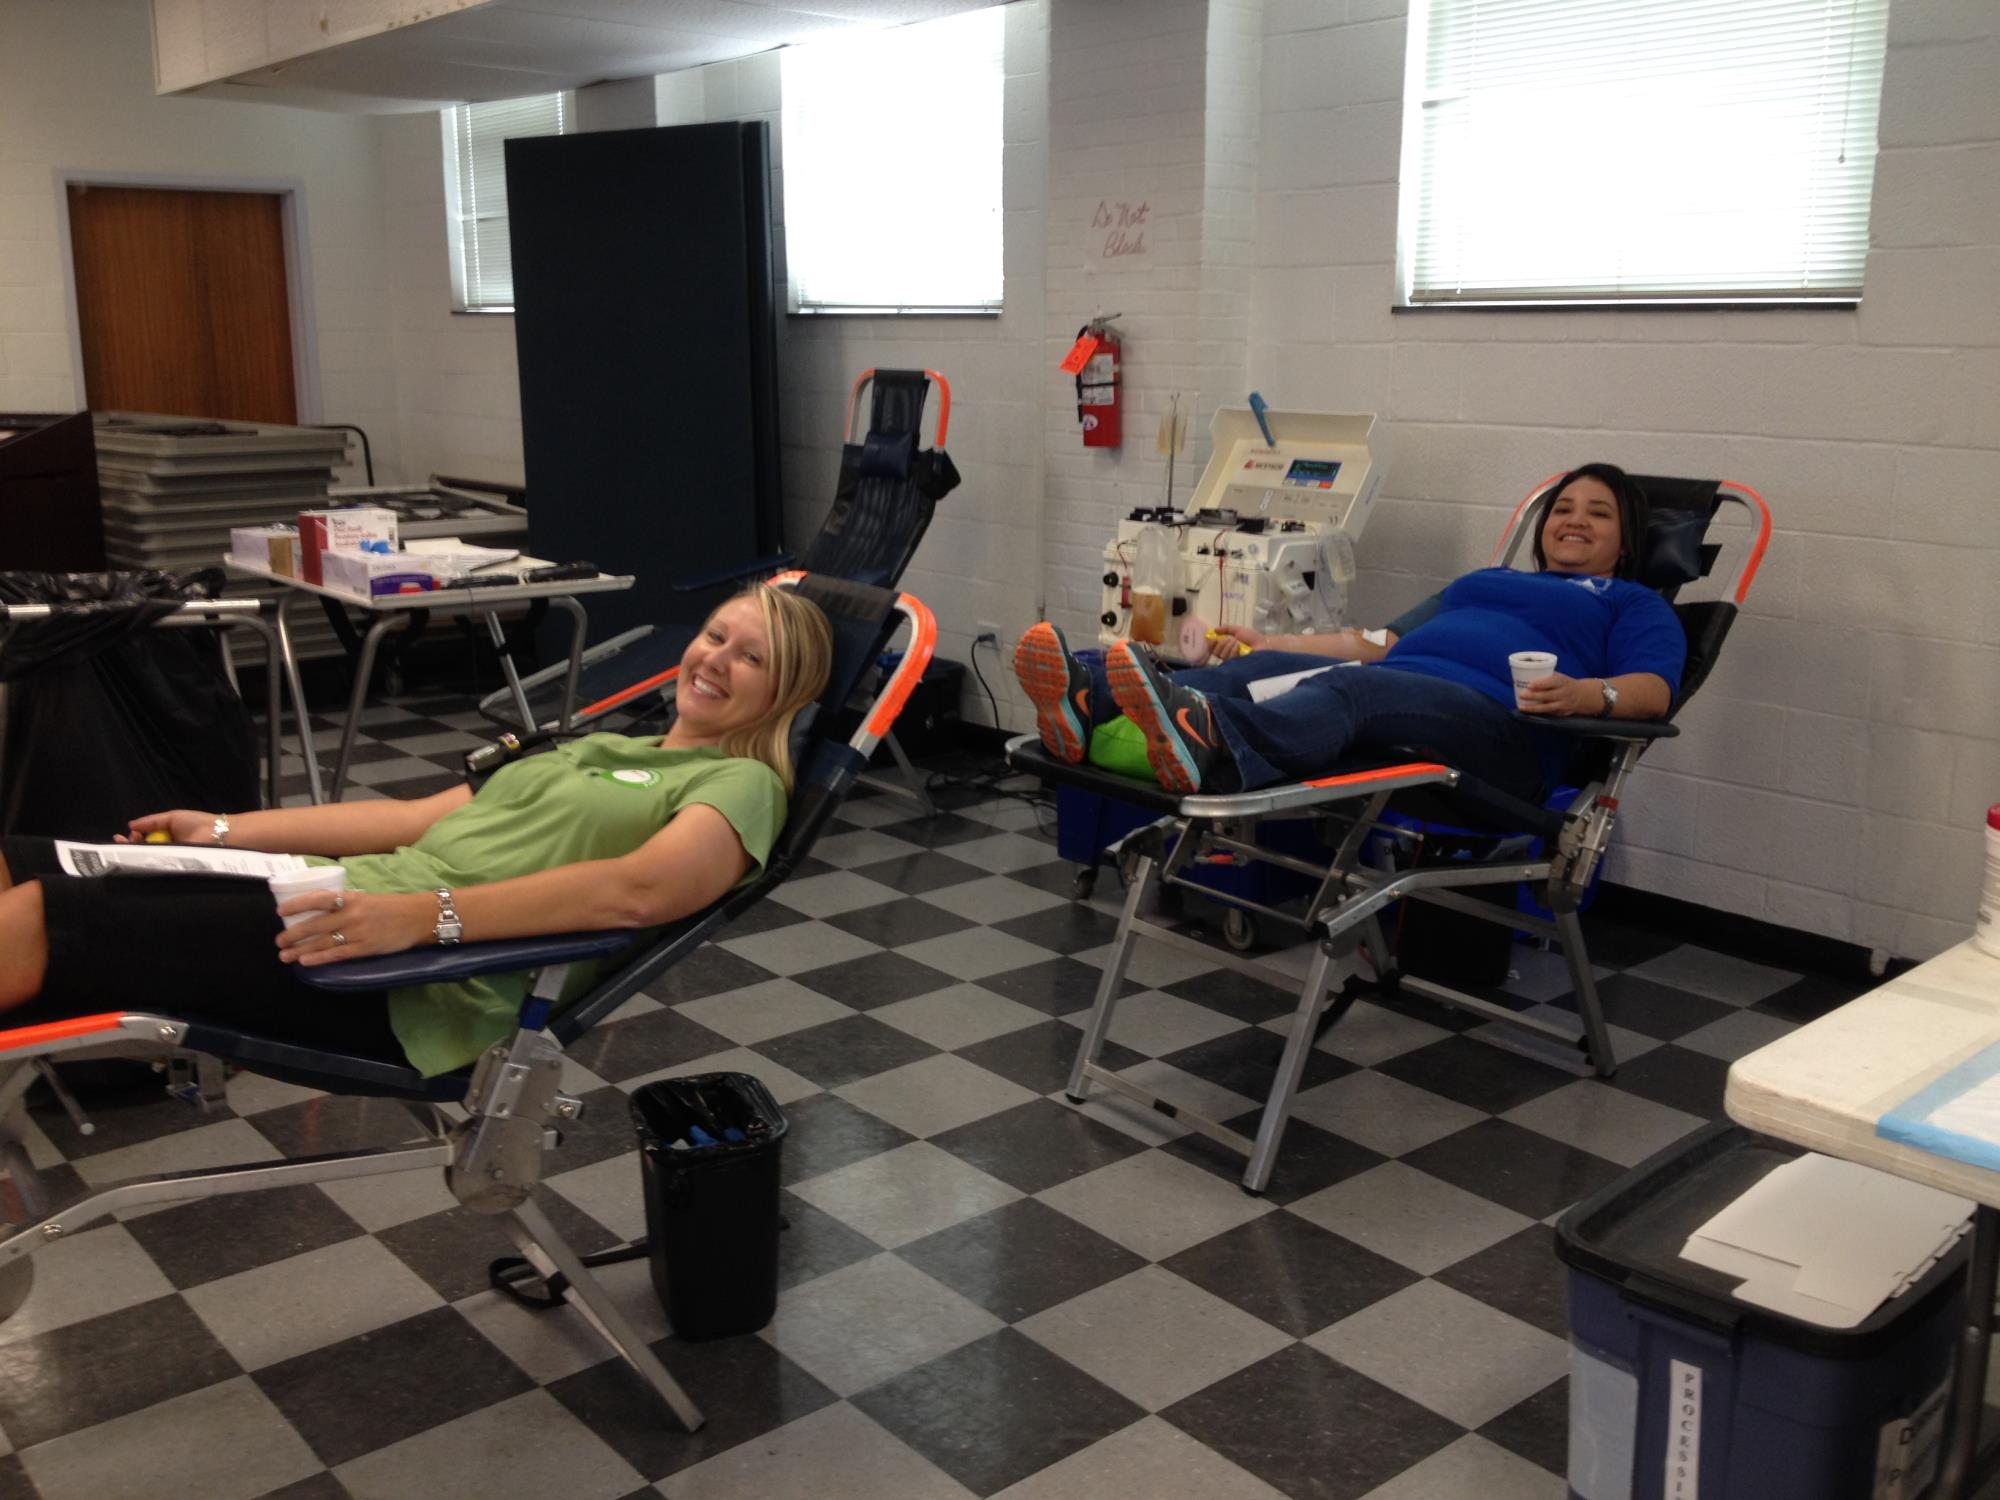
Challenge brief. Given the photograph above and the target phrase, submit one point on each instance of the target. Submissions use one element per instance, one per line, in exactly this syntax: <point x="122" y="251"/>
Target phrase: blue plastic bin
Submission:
<point x="1678" y="1390"/>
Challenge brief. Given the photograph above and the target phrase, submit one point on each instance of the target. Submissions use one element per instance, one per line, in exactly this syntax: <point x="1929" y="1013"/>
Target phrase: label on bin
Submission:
<point x="1906" y="1453"/>
<point x="1683" y="1480"/>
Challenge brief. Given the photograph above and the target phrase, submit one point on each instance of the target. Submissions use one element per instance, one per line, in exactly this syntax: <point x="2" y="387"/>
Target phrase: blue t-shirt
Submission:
<point x="1597" y="627"/>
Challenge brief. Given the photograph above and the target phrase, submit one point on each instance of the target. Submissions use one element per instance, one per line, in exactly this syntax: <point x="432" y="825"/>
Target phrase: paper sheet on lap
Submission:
<point x="172" y="859"/>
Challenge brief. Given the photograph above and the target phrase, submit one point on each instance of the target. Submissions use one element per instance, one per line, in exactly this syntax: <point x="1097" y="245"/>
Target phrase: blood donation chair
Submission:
<point x="513" y="1106"/>
<point x="882" y="505"/>
<point x="1364" y="801"/>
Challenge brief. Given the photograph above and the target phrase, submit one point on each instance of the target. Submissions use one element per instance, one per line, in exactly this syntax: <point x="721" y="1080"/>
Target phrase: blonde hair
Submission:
<point x="801" y="655"/>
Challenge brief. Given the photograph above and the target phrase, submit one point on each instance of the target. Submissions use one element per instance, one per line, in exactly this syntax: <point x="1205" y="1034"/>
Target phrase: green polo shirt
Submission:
<point x="598" y="797"/>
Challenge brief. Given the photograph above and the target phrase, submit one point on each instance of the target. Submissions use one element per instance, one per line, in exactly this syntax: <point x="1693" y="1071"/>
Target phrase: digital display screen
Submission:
<point x="1314" y="470"/>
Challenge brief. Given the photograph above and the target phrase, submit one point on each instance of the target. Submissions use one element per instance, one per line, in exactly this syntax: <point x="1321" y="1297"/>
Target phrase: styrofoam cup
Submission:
<point x="1527" y="667"/>
<point x="298" y="882"/>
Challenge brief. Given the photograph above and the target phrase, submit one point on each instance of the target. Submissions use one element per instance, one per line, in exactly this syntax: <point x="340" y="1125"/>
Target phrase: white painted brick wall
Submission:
<point x="76" y="95"/>
<point x="1833" y="771"/>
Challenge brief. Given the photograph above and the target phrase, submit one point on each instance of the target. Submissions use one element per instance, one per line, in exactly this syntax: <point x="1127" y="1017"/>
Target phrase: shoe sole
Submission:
<point x="1132" y="688"/>
<point x="1042" y="668"/>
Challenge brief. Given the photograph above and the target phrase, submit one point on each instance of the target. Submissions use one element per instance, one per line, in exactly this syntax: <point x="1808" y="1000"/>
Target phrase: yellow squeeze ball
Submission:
<point x="159" y="836"/>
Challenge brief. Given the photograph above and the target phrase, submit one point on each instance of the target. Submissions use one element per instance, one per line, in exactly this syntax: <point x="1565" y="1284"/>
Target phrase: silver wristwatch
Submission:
<point x="449" y="929"/>
<point x="219" y="830"/>
<point x="1610" y="696"/>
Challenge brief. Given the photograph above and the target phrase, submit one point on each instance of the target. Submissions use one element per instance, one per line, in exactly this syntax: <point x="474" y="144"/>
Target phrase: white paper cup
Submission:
<point x="1527" y="667"/>
<point x="318" y="878"/>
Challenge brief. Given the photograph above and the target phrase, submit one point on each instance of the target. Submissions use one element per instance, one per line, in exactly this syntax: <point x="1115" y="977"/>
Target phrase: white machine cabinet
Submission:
<point x="1266" y="541"/>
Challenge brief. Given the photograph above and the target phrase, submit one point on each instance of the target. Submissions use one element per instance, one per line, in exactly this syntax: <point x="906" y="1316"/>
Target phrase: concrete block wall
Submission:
<point x="1833" y="773"/>
<point x="76" y="96"/>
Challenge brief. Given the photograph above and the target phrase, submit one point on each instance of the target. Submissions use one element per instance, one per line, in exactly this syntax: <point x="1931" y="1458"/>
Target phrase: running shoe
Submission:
<point x="1182" y="742"/>
<point x="1059" y="687"/>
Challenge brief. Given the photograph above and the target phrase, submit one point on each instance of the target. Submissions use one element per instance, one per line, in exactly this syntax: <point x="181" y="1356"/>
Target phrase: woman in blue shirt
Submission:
<point x="1442" y="688"/>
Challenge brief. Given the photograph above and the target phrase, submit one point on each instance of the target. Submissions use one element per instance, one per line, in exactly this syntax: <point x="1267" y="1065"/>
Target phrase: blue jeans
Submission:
<point x="1303" y="733"/>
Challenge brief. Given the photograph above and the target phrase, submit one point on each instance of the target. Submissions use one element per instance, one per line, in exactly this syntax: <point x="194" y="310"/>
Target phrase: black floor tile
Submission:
<point x="81" y="1374"/>
<point x="708" y="970"/>
<point x="895" y="923"/>
<point x="997" y="1410"/>
<point x="765" y="916"/>
<point x="410" y="728"/>
<point x="451" y="1249"/>
<point x="1537" y="1429"/>
<point x="125" y="1117"/>
<point x="1526" y="1172"/>
<point x="645" y="1044"/>
<point x="1490" y="1078"/>
<point x="322" y="1486"/>
<point x="744" y="1388"/>
<point x="939" y="832"/>
<point x="874" y="979"/>
<point x="1246" y="1062"/>
<point x="1057" y="877"/>
<point x="1291" y="1273"/>
<point x="1520" y="1275"/>
<point x="383" y="1386"/>
<point x="1056" y="987"/>
<point x="204" y="1241"/>
<point x="604" y="1130"/>
<point x="1309" y="1158"/>
<point x="1021" y="1259"/>
<point x="1037" y="1145"/>
<point x="1249" y="1000"/>
<point x="1040" y="1057"/>
<point x="926" y="871"/>
<point x="845" y="1051"/>
<point x="1619" y="945"/>
<point x="1670" y="1075"/>
<point x="1311" y="1428"/>
<point x="14" y="1481"/>
<point x="1656" y="1010"/>
<point x="828" y="1133"/>
<point x="1065" y="929"/>
<point x="813" y="1242"/>
<point x="335" y="1122"/>
<point x="1810" y="997"/>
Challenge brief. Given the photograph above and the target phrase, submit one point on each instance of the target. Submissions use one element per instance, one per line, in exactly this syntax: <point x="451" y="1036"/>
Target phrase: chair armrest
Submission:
<point x="442" y="965"/>
<point x="1584" y="727"/>
<point x="751" y="569"/>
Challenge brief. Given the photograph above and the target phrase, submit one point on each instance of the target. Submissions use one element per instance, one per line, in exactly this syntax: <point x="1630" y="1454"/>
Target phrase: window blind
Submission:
<point x="475" y="172"/>
<point x="1639" y="149"/>
<point x="892" y="144"/>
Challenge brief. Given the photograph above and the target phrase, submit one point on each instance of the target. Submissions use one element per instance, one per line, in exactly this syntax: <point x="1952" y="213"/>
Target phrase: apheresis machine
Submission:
<point x="1266" y="541"/>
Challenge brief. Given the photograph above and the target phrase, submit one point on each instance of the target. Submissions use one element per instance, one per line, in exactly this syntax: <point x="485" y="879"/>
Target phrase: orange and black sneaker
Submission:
<point x="1059" y="687"/>
<point x="1182" y="742"/>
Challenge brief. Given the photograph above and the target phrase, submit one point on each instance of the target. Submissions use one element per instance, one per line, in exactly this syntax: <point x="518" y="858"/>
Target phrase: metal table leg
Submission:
<point x="364" y="668"/>
<point x="291" y="661"/>
<point x="1958" y="1477"/>
<point x="522" y="709"/>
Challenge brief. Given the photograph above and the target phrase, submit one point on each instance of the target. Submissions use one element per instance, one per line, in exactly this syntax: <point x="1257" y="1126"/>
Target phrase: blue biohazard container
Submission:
<point x="1678" y="1391"/>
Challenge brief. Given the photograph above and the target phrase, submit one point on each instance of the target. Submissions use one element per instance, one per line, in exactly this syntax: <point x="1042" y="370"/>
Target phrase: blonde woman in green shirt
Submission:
<point x="602" y="832"/>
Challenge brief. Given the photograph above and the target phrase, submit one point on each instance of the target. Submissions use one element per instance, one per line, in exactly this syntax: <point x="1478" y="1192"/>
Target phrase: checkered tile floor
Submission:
<point x="985" y="1291"/>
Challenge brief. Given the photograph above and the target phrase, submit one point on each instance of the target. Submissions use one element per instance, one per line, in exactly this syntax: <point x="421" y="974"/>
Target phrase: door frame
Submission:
<point x="290" y="192"/>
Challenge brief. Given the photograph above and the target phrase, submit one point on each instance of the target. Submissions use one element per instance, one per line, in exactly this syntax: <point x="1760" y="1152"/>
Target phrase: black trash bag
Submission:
<point x="106" y="719"/>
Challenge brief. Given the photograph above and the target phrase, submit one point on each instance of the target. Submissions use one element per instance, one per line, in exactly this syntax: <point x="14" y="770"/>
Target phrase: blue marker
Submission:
<point x="1258" y="410"/>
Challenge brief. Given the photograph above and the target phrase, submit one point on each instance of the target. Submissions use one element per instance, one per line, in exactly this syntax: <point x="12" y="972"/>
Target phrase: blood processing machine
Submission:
<point x="1266" y="541"/>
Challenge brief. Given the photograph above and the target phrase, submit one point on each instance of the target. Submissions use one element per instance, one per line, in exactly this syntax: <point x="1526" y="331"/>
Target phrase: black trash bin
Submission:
<point x="108" y="720"/>
<point x="708" y="1155"/>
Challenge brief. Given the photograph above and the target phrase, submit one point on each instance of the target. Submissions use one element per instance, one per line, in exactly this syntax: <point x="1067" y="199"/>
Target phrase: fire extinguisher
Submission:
<point x="1097" y="387"/>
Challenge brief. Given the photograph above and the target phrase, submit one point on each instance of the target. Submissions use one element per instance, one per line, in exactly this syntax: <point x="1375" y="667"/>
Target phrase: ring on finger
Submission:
<point x="339" y="900"/>
<point x="340" y="940"/>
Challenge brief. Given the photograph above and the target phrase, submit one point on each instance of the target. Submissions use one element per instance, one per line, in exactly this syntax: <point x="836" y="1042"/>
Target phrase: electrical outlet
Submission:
<point x="988" y="632"/>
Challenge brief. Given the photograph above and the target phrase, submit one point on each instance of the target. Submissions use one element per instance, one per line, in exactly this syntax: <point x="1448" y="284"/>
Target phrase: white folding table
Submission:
<point x="1828" y="1086"/>
<point x="391" y="610"/>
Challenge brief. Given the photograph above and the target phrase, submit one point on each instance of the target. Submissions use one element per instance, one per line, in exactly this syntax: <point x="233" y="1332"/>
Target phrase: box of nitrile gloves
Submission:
<point x="320" y="530"/>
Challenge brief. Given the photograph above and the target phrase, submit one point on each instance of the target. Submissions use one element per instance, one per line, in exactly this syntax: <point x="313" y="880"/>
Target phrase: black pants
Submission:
<point x="194" y="947"/>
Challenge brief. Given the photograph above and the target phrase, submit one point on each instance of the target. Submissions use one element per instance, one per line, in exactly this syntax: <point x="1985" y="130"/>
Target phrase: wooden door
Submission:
<point x="182" y="302"/>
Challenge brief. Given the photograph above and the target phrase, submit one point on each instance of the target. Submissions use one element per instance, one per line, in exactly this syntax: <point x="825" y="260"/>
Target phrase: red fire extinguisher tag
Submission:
<point x="1080" y="351"/>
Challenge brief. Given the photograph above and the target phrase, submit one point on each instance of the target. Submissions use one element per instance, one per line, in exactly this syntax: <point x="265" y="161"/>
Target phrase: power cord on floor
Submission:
<point x="986" y="638"/>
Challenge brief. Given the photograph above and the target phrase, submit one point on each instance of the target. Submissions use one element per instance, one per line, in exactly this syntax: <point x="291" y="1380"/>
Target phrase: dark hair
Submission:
<point x="1633" y="512"/>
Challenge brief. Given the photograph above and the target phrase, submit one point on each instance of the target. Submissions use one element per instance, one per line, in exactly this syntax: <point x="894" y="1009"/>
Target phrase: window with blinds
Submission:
<point x="475" y="190"/>
<point x="1639" y="150"/>
<point x="892" y="145"/>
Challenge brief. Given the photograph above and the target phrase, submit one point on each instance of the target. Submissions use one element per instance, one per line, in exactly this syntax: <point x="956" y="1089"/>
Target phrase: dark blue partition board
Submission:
<point x="645" y="326"/>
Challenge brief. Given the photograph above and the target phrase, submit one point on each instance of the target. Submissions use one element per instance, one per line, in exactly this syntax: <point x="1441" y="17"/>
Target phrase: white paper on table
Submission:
<point x="172" y="859"/>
